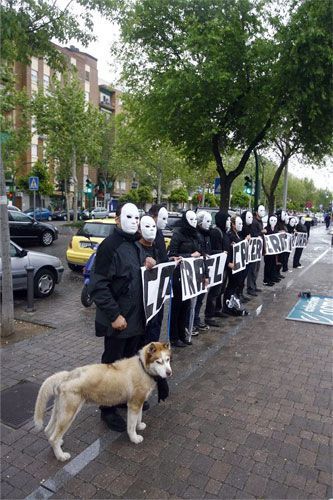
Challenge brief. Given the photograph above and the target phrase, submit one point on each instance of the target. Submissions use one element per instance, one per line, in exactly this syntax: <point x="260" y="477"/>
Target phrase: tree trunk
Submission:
<point x="74" y="177"/>
<point x="7" y="301"/>
<point x="159" y="184"/>
<point x="225" y="194"/>
<point x="271" y="202"/>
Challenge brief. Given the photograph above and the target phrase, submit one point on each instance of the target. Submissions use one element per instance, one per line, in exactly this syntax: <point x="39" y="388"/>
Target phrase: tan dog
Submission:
<point x="128" y="381"/>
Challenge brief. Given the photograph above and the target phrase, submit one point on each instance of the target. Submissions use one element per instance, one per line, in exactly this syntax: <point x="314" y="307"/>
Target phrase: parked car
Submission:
<point x="99" y="213"/>
<point x="62" y="215"/>
<point x="25" y="229"/>
<point x="86" y="240"/>
<point x="12" y="207"/>
<point x="48" y="270"/>
<point x="39" y="213"/>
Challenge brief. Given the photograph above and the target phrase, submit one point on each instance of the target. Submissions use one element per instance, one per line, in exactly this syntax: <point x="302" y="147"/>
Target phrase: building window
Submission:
<point x="87" y="76"/>
<point x="46" y="81"/>
<point x="34" y="150"/>
<point x="34" y="76"/>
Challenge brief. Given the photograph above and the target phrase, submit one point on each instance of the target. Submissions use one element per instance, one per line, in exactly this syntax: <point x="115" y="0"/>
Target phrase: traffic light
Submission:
<point x="89" y="186"/>
<point x="248" y="185"/>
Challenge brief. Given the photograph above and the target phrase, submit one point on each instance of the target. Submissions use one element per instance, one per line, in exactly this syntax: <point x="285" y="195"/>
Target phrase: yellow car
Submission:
<point x="85" y="242"/>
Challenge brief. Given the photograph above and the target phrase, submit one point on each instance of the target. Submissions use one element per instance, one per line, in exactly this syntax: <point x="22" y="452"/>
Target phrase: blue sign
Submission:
<point x="34" y="183"/>
<point x="316" y="309"/>
<point x="217" y="185"/>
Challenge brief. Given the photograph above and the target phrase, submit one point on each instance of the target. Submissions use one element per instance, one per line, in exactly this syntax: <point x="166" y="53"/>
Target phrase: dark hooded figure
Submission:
<point x="219" y="243"/>
<point x="281" y="227"/>
<point x="300" y="228"/>
<point x="271" y="265"/>
<point x="184" y="243"/>
<point x="247" y="218"/>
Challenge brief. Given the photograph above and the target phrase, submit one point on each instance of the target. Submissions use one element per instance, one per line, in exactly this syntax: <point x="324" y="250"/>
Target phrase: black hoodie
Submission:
<point x="280" y="226"/>
<point x="185" y="240"/>
<point x="218" y="236"/>
<point x="246" y="227"/>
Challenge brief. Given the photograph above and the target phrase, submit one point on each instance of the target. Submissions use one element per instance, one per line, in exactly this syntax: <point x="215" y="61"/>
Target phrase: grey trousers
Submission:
<point x="252" y="274"/>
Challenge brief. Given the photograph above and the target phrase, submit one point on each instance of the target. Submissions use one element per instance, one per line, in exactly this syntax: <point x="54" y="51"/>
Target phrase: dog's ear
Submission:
<point x="166" y="345"/>
<point x="151" y="348"/>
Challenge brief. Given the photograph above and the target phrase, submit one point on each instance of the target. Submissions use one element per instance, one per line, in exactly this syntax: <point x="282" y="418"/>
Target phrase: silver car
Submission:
<point x="48" y="270"/>
<point x="99" y="213"/>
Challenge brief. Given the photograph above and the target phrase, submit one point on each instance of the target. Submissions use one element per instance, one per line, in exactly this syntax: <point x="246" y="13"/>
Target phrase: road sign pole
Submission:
<point x="285" y="187"/>
<point x="34" y="204"/>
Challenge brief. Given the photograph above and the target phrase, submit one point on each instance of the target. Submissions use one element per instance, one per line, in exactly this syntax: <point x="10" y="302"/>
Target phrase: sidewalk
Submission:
<point x="248" y="415"/>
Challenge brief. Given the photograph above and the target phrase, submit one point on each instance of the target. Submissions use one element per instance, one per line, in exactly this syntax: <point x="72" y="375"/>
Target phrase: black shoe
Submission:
<point x="114" y="421"/>
<point x="211" y="322"/>
<point x="243" y="298"/>
<point x="281" y="277"/>
<point x="178" y="343"/>
<point x="258" y="290"/>
<point x="221" y="314"/>
<point x="252" y="292"/>
<point x="186" y="342"/>
<point x="269" y="283"/>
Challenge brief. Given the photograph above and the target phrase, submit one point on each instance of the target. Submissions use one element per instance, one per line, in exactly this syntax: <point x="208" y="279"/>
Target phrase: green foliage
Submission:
<point x="132" y="196"/>
<point x="28" y="28"/>
<point x="41" y="171"/>
<point x="145" y="195"/>
<point x="211" y="200"/>
<point x="14" y="139"/>
<point x="240" y="199"/>
<point x="178" y="195"/>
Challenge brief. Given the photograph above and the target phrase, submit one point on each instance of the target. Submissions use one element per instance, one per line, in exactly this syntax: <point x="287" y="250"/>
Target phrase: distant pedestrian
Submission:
<point x="327" y="220"/>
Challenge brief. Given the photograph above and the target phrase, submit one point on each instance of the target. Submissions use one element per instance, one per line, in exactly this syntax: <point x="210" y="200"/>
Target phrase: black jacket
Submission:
<point x="205" y="243"/>
<point x="233" y="238"/>
<point x="256" y="227"/>
<point x="184" y="241"/>
<point x="160" y="245"/>
<point x="116" y="286"/>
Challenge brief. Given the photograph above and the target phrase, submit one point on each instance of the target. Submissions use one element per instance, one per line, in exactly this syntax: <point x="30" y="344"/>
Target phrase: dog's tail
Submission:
<point x="45" y="392"/>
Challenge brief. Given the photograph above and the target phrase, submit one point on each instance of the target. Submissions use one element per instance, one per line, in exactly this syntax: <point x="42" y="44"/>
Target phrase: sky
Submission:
<point x="109" y="72"/>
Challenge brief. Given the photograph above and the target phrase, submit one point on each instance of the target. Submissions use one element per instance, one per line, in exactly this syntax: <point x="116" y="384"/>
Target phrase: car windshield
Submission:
<point x="96" y="229"/>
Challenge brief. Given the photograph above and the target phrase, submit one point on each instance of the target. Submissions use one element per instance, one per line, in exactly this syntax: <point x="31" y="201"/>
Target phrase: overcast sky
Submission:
<point x="109" y="70"/>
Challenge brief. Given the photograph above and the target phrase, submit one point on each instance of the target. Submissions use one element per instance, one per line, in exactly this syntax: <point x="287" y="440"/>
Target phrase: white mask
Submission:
<point x="239" y="224"/>
<point x="261" y="211"/>
<point x="286" y="219"/>
<point x="206" y="221"/>
<point x="292" y="221"/>
<point x="228" y="224"/>
<point x="162" y="218"/>
<point x="248" y="218"/>
<point x="191" y="218"/>
<point x="283" y="215"/>
<point x="148" y="228"/>
<point x="303" y="220"/>
<point x="129" y="218"/>
<point x="272" y="221"/>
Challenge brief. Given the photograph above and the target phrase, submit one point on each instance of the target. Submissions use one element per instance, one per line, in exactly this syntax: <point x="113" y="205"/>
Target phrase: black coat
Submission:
<point x="184" y="242"/>
<point x="116" y="286"/>
<point x="256" y="227"/>
<point x="205" y="242"/>
<point x="160" y="245"/>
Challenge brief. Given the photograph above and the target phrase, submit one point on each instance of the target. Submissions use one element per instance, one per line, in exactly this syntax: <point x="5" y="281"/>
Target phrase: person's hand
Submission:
<point x="196" y="254"/>
<point x="176" y="259"/>
<point x="206" y="282"/>
<point x="231" y="265"/>
<point x="248" y="237"/>
<point x="150" y="263"/>
<point x="119" y="323"/>
<point x="264" y="231"/>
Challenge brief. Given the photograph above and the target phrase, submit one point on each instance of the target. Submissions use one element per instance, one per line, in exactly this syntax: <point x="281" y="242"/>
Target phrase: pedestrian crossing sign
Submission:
<point x="34" y="183"/>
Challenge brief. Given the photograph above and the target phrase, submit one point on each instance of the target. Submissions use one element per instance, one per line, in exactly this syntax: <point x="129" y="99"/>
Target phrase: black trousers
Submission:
<point x="178" y="311"/>
<point x="115" y="348"/>
<point x="297" y="256"/>
<point x="270" y="269"/>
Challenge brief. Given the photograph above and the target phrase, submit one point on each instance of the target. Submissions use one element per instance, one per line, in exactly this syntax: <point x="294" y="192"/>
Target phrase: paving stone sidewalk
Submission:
<point x="249" y="414"/>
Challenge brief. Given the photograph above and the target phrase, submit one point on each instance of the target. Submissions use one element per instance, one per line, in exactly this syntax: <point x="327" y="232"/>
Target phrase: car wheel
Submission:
<point x="92" y="216"/>
<point x="49" y="217"/>
<point x="86" y="300"/>
<point x="80" y="217"/>
<point x="44" y="283"/>
<point x="65" y="217"/>
<point x="74" y="267"/>
<point x="47" y="238"/>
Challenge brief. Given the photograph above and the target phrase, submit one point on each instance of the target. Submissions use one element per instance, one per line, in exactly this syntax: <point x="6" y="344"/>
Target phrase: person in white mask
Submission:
<point x="270" y="269"/>
<point x="235" y="281"/>
<point x="257" y="229"/>
<point x="184" y="243"/>
<point x="300" y="228"/>
<point x="160" y="215"/>
<point x="116" y="288"/>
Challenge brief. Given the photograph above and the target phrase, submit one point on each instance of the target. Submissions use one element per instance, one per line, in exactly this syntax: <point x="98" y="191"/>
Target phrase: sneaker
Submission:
<point x="268" y="283"/>
<point x="300" y="267"/>
<point x="113" y="420"/>
<point x="195" y="331"/>
<point x="203" y="326"/>
<point x="258" y="290"/>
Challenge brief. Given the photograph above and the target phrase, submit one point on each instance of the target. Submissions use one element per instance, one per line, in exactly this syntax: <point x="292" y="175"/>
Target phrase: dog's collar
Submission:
<point x="162" y="384"/>
<point x="144" y="369"/>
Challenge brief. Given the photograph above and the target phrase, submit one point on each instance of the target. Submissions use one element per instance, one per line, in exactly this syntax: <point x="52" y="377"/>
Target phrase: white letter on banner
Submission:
<point x="156" y="287"/>
<point x="215" y="264"/>
<point x="239" y="256"/>
<point x="188" y="279"/>
<point x="193" y="273"/>
<point x="255" y="249"/>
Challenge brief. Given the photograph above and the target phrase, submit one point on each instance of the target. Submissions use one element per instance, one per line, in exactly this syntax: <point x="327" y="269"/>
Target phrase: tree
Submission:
<point x="41" y="171"/>
<point x="178" y="195"/>
<point x="204" y="80"/>
<point x="144" y="195"/>
<point x="71" y="127"/>
<point x="132" y="197"/>
<point x="240" y="199"/>
<point x="304" y="71"/>
<point x="28" y="29"/>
